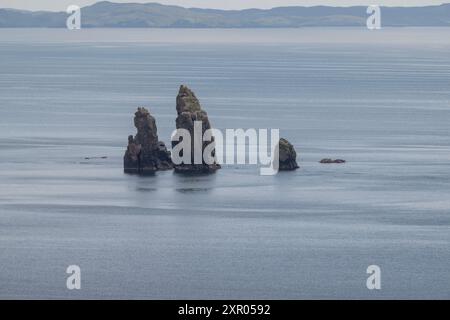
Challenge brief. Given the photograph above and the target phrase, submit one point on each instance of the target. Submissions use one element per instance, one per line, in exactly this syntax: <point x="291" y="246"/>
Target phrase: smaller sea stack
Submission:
<point x="287" y="156"/>
<point x="145" y="153"/>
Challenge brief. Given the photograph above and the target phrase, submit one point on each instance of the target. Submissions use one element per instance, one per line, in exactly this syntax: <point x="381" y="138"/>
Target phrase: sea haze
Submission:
<point x="380" y="100"/>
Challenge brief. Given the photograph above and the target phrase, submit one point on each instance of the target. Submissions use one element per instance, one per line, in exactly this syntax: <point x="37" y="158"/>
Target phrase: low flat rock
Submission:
<point x="331" y="161"/>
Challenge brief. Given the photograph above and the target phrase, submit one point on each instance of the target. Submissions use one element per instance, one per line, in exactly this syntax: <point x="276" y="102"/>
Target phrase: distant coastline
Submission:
<point x="153" y="15"/>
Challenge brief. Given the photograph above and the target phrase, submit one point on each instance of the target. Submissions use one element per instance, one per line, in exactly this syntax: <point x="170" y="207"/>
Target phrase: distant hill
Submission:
<point x="152" y="15"/>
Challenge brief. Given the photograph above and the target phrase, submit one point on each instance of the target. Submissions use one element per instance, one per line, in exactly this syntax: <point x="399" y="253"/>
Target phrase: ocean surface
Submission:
<point x="379" y="99"/>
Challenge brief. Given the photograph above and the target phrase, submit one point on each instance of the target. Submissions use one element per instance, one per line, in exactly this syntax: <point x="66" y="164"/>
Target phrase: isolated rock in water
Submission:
<point x="189" y="110"/>
<point x="328" y="161"/>
<point x="145" y="154"/>
<point x="287" y="156"/>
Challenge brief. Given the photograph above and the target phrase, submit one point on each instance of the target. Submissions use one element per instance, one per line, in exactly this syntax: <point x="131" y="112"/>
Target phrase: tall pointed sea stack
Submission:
<point x="189" y="111"/>
<point x="145" y="154"/>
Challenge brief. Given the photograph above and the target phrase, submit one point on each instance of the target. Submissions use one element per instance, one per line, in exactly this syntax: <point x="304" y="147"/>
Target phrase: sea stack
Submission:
<point x="287" y="156"/>
<point x="189" y="111"/>
<point x="145" y="154"/>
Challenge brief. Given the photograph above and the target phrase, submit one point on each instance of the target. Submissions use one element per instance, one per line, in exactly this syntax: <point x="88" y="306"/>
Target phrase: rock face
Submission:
<point x="287" y="156"/>
<point x="189" y="110"/>
<point x="145" y="154"/>
<point x="329" y="161"/>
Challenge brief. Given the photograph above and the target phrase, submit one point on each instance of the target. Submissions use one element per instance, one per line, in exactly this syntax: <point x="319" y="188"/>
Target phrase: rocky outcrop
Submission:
<point x="287" y="156"/>
<point x="145" y="154"/>
<point x="189" y="110"/>
<point x="329" y="161"/>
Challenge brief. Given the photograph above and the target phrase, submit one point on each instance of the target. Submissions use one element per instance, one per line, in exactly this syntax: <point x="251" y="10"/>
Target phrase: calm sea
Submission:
<point x="380" y="100"/>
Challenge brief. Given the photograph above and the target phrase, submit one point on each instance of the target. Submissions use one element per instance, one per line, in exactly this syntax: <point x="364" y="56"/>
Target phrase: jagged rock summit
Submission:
<point x="145" y="153"/>
<point x="287" y="156"/>
<point x="189" y="110"/>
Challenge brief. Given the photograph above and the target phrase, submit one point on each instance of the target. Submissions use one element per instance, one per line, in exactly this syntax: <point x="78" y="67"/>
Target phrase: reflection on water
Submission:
<point x="144" y="189"/>
<point x="192" y="190"/>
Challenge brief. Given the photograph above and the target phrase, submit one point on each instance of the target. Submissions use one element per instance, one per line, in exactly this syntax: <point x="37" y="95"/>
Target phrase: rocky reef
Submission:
<point x="287" y="156"/>
<point x="331" y="161"/>
<point x="189" y="110"/>
<point x="145" y="153"/>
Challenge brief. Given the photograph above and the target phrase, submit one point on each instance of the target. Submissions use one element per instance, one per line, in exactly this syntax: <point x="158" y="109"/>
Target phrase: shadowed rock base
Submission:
<point x="145" y="154"/>
<point x="197" y="169"/>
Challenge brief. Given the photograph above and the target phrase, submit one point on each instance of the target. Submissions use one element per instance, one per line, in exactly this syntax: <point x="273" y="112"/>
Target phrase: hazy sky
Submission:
<point x="61" y="5"/>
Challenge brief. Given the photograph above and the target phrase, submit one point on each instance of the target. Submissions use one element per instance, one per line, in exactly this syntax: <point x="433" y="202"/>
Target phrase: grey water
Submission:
<point x="379" y="99"/>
